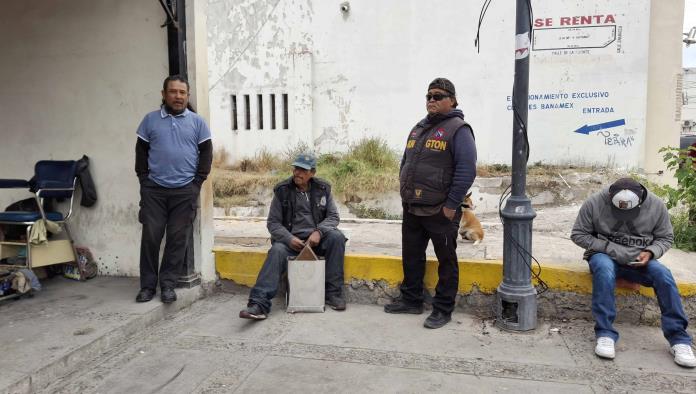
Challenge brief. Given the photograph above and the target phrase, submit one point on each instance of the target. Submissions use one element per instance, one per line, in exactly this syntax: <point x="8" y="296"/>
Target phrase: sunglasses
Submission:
<point x="436" y="96"/>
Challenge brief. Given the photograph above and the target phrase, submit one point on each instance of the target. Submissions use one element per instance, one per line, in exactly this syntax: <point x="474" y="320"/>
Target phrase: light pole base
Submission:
<point x="516" y="308"/>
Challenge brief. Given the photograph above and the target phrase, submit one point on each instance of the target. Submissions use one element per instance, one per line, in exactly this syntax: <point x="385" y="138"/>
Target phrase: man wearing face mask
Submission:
<point x="624" y="230"/>
<point x="437" y="169"/>
<point x="173" y="156"/>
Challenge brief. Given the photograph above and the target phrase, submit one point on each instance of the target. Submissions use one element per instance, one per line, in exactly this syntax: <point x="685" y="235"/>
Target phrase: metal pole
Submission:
<point x="516" y="307"/>
<point x="176" y="36"/>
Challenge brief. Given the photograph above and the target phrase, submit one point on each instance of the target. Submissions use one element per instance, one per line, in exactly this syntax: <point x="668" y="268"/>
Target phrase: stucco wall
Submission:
<point x="76" y="77"/>
<point x="364" y="73"/>
<point x="664" y="104"/>
<point x="196" y="46"/>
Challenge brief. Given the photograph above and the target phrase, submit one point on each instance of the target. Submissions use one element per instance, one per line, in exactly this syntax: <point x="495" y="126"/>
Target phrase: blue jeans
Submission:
<point x="332" y="246"/>
<point x="604" y="274"/>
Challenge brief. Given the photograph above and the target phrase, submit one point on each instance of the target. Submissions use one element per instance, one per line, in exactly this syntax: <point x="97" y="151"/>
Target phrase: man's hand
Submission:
<point x="642" y="259"/>
<point x="314" y="238"/>
<point x="448" y="212"/>
<point x="296" y="244"/>
<point x="196" y="189"/>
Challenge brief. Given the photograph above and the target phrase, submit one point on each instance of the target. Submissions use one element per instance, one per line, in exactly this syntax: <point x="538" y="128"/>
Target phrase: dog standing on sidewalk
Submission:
<point x="470" y="227"/>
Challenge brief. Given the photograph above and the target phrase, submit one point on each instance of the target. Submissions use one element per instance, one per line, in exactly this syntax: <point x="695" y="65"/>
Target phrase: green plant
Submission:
<point x="291" y="152"/>
<point x="369" y="166"/>
<point x="374" y="152"/>
<point x="684" y="232"/>
<point x="683" y="197"/>
<point x="362" y="211"/>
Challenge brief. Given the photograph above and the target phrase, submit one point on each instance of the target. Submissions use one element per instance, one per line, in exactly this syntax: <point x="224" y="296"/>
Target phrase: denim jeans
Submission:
<point x="605" y="271"/>
<point x="332" y="246"/>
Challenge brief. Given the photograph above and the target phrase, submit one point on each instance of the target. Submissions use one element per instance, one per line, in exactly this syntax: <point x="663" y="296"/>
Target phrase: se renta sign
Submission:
<point x="588" y="80"/>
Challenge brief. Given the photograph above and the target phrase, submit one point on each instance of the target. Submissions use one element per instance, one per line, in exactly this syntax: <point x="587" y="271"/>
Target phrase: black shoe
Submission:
<point x="168" y="295"/>
<point x="145" y="295"/>
<point x="437" y="319"/>
<point x="399" y="306"/>
<point x="253" y="312"/>
<point x="336" y="302"/>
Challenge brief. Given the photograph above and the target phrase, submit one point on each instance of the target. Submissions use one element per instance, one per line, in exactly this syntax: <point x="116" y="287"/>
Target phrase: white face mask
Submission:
<point x="625" y="199"/>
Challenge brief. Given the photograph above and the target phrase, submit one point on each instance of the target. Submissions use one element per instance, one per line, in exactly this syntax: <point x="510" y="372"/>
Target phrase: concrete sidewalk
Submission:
<point x="68" y="323"/>
<point x="208" y="349"/>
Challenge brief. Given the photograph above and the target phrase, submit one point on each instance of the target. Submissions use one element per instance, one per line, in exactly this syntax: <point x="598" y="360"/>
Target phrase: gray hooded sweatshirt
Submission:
<point x="602" y="228"/>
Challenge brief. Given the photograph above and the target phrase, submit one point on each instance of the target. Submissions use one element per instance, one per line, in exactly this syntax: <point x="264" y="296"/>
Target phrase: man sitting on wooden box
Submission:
<point x="302" y="212"/>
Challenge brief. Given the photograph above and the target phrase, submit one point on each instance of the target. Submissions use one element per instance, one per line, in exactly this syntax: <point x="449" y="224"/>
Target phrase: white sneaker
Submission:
<point x="683" y="355"/>
<point x="605" y="348"/>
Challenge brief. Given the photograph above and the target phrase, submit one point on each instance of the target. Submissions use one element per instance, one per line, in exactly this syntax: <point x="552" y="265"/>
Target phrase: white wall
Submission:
<point x="196" y="46"/>
<point x="364" y="73"/>
<point x="77" y="76"/>
<point x="664" y="103"/>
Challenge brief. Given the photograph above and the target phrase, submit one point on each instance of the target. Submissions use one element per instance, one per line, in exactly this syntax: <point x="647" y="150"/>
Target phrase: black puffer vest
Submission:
<point x="286" y="192"/>
<point x="426" y="174"/>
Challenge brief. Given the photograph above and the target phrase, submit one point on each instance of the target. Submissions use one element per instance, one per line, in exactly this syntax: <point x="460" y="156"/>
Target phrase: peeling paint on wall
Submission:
<point x="365" y="75"/>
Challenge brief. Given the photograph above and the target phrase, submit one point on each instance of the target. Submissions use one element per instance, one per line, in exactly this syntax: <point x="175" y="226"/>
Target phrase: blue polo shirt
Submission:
<point x="173" y="139"/>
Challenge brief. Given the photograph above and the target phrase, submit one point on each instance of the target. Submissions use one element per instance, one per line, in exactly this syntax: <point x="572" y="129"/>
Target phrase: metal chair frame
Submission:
<point x="62" y="223"/>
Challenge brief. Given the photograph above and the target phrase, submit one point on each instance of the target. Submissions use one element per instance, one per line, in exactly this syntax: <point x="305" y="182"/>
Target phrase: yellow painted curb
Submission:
<point x="243" y="267"/>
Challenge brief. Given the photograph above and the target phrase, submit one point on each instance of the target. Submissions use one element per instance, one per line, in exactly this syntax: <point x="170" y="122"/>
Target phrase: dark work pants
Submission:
<point x="416" y="231"/>
<point x="171" y="210"/>
<point x="332" y="246"/>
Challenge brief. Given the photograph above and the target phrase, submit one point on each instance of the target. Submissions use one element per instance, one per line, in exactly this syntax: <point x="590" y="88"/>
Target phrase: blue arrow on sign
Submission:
<point x="595" y="127"/>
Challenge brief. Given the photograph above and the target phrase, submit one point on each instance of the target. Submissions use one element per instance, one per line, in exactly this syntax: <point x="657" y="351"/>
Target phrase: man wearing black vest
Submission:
<point x="437" y="169"/>
<point x="302" y="212"/>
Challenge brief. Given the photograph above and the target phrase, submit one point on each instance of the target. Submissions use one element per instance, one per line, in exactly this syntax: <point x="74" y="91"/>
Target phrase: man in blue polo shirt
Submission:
<point x="173" y="156"/>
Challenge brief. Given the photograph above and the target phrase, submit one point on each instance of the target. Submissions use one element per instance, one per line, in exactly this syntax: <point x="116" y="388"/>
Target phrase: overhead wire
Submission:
<point x="477" y="40"/>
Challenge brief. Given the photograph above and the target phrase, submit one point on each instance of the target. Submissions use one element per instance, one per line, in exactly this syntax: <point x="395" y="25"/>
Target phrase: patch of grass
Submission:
<point x="220" y="158"/>
<point x="290" y="153"/>
<point x="537" y="168"/>
<point x="262" y="161"/>
<point x="232" y="201"/>
<point x="375" y="153"/>
<point x="362" y="211"/>
<point x="684" y="228"/>
<point x="492" y="170"/>
<point x="682" y="198"/>
<point x="369" y="166"/>
<point x="684" y="231"/>
<point x="227" y="183"/>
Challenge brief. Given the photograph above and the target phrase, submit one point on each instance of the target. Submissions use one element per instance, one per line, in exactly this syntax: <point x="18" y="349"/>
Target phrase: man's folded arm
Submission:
<point x="142" y="150"/>
<point x="205" y="161"/>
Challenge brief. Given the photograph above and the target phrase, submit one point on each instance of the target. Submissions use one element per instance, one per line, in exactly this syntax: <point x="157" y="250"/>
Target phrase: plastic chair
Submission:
<point x="52" y="179"/>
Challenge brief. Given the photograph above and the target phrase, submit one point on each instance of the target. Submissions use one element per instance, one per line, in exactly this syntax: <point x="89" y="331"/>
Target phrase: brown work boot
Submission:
<point x="253" y="312"/>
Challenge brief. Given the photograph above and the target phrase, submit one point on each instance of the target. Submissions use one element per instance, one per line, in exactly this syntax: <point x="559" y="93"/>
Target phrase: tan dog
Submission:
<point x="470" y="227"/>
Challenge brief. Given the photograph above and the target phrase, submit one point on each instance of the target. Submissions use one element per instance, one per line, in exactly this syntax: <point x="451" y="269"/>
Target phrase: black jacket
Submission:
<point x="428" y="166"/>
<point x="282" y="211"/>
<point x="89" y="191"/>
